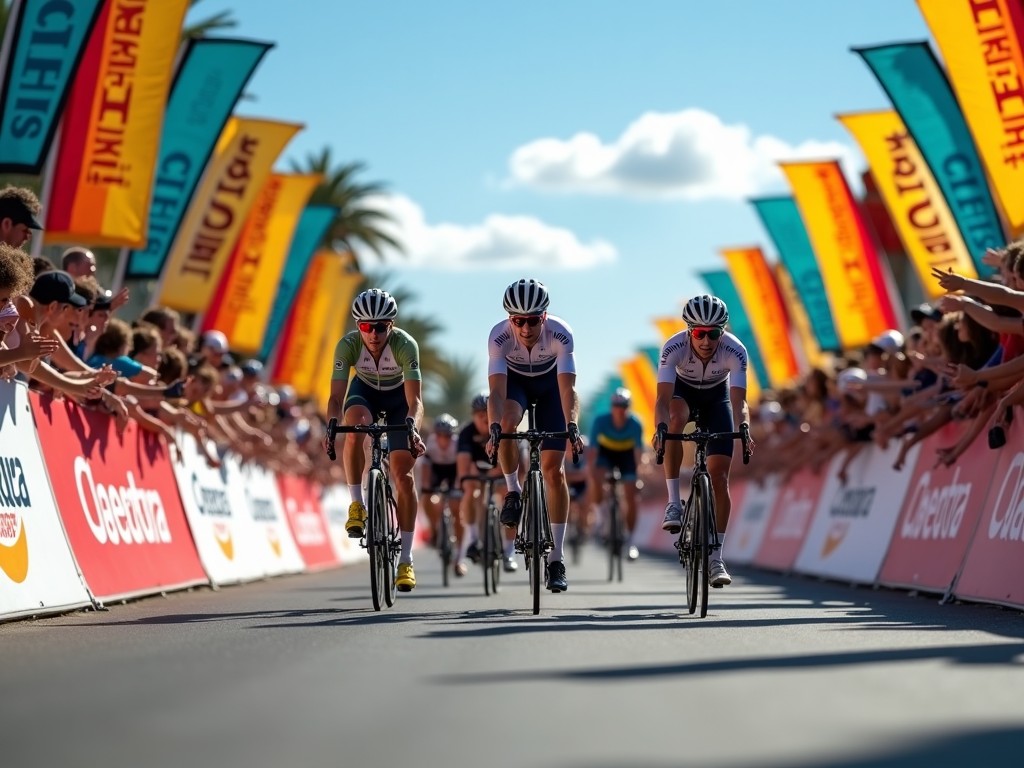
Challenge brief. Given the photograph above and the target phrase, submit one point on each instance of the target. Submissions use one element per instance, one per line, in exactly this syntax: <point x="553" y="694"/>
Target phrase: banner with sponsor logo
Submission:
<point x="762" y="302"/>
<point x="308" y="523"/>
<point x="781" y="219"/>
<point x="118" y="500"/>
<point x="981" y="45"/>
<point x="916" y="206"/>
<point x="45" y="42"/>
<point x="206" y="87"/>
<point x="240" y="166"/>
<point x="230" y="548"/>
<point x="334" y="501"/>
<point x="790" y="518"/>
<point x="309" y="234"/>
<point x="854" y="521"/>
<point x="749" y="519"/>
<point x="915" y="83"/>
<point x="849" y="263"/>
<point x="37" y="571"/>
<point x="939" y="515"/>
<point x="102" y="181"/>
<point x="720" y="284"/>
<point x="993" y="571"/>
<point x="275" y="548"/>
<point x="242" y="302"/>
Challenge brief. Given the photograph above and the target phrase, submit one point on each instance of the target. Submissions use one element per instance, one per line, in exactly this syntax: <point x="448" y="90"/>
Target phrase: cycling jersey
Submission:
<point x="399" y="361"/>
<point x="679" y="361"/>
<point x="436" y="454"/>
<point x="606" y="435"/>
<point x="553" y="350"/>
<point x="474" y="443"/>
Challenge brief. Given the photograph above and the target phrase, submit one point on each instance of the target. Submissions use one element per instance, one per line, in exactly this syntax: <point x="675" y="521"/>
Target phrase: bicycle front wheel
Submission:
<point x="614" y="541"/>
<point x="392" y="548"/>
<point x="702" y="538"/>
<point x="688" y="550"/>
<point x="533" y="509"/>
<point x="376" y="542"/>
<point x="446" y="545"/>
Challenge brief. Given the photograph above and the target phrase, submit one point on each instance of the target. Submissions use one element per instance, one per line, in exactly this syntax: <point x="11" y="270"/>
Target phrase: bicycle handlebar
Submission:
<point x="480" y="478"/>
<point x="334" y="428"/>
<point x="704" y="437"/>
<point x="532" y="435"/>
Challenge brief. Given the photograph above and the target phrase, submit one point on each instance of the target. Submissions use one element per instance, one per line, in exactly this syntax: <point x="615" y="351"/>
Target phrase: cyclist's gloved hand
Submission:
<point x="492" y="444"/>
<point x="416" y="445"/>
<point x="656" y="441"/>
<point x="574" y="437"/>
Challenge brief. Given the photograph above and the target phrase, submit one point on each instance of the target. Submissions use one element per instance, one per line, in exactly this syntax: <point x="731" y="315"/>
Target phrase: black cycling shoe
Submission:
<point x="512" y="509"/>
<point x="556" y="577"/>
<point x="473" y="552"/>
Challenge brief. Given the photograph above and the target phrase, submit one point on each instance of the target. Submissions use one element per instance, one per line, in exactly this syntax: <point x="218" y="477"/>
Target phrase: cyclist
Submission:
<point x="531" y="357"/>
<point x="702" y="369"/>
<point x="386" y="361"/>
<point x="438" y="476"/>
<point x="616" y="441"/>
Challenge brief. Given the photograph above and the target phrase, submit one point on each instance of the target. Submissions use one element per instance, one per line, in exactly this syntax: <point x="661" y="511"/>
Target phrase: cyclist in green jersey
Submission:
<point x="387" y="379"/>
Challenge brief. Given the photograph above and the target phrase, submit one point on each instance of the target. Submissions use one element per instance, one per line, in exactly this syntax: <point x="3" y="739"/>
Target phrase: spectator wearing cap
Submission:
<point x="15" y="280"/>
<point x="927" y="318"/>
<point x="19" y="212"/>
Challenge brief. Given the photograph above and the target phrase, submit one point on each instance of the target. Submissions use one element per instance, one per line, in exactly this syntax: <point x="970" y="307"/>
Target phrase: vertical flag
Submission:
<point x="309" y="234"/>
<point x="721" y="285"/>
<point x="241" y="164"/>
<point x="918" y="88"/>
<point x="760" y="297"/>
<point x="807" y="347"/>
<point x="241" y="304"/>
<point x="912" y="196"/>
<point x="669" y="326"/>
<point x="981" y="43"/>
<point x="781" y="218"/>
<point x="103" y="178"/>
<point x="334" y="328"/>
<point x="849" y="264"/>
<point x="206" y="87"/>
<point x="47" y="40"/>
<point x="637" y="380"/>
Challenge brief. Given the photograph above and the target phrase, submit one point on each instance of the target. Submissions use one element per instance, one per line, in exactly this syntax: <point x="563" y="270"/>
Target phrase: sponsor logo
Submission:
<point x="213" y="503"/>
<point x="851" y="504"/>
<point x="1007" y="521"/>
<point x="796" y="511"/>
<point x="222" y="535"/>
<point x="936" y="513"/>
<point x="834" y="537"/>
<point x="560" y="337"/>
<point x="414" y="365"/>
<point x="119" y="514"/>
<point x="339" y="365"/>
<point x="309" y="528"/>
<point x="13" y="485"/>
<point x="13" y="557"/>
<point x="274" y="541"/>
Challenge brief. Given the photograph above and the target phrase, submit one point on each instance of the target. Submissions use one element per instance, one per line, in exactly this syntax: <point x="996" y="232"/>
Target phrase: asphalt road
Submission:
<point x="300" y="671"/>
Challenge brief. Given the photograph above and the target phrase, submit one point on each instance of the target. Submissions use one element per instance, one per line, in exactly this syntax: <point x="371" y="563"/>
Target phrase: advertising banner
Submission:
<point x="275" y="547"/>
<point x="790" y="518"/>
<point x="334" y="502"/>
<point x="37" y="571"/>
<point x="749" y="519"/>
<point x="47" y="40"/>
<point x="308" y="523"/>
<point x="118" y="501"/>
<point x="103" y="178"/>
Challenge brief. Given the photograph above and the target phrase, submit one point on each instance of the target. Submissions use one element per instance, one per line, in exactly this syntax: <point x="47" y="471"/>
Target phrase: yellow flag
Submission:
<point x="669" y="326"/>
<point x="334" y="327"/>
<point x="236" y="173"/>
<point x="916" y="204"/>
<point x="639" y="383"/>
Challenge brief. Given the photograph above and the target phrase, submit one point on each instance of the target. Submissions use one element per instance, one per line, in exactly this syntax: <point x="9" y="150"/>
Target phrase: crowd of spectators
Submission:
<point x="61" y="334"/>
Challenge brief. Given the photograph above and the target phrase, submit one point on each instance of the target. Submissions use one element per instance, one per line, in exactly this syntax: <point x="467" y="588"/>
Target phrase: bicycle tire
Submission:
<point x="704" y="534"/>
<point x="487" y="553"/>
<point x="446" y="546"/>
<point x="688" y="552"/>
<point x="392" y="548"/>
<point x="497" y="549"/>
<point x="614" y="541"/>
<point x="536" y="536"/>
<point x="375" y="544"/>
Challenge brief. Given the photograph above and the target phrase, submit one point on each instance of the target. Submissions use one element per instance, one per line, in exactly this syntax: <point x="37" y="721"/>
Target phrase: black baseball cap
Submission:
<point x="56" y="285"/>
<point x="925" y="312"/>
<point x="14" y="208"/>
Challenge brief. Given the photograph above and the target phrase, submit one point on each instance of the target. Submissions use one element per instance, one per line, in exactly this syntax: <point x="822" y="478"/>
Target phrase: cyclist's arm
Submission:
<point x="337" y="398"/>
<point x="414" y="397"/>
<point x="661" y="403"/>
<point x="570" y="400"/>
<point x="498" y="384"/>
<point x="740" y="410"/>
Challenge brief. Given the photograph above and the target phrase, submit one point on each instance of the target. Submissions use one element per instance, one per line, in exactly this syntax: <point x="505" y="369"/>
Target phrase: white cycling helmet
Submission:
<point x="622" y="396"/>
<point x="374" y="304"/>
<point x="479" y="401"/>
<point x="526" y="297"/>
<point x="705" y="311"/>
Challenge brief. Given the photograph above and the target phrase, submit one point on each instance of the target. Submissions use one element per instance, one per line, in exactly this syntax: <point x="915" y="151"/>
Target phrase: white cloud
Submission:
<point x="498" y="242"/>
<point x="688" y="155"/>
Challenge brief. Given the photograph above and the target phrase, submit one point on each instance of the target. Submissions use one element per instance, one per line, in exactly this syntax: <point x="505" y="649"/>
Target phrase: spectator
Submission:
<point x="19" y="212"/>
<point x="112" y="348"/>
<point x="78" y="261"/>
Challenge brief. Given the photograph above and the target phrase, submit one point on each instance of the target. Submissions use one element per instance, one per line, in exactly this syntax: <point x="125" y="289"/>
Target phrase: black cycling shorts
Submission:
<point x="543" y="389"/>
<point x="711" y="409"/>
<point x="391" y="401"/>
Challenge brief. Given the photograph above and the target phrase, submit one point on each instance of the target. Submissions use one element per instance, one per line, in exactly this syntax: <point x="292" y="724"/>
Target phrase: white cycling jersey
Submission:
<point x="436" y="454"/>
<point x="678" y="360"/>
<point x="553" y="350"/>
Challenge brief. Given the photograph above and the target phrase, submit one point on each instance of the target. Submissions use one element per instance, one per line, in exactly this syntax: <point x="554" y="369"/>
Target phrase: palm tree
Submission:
<point x="356" y="223"/>
<point x="454" y="392"/>
<point x="203" y="27"/>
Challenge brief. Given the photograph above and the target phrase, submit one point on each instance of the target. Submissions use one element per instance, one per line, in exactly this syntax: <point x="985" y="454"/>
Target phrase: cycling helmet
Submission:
<point x="374" y="304"/>
<point x="479" y="402"/>
<point x="445" y="424"/>
<point x="526" y="297"/>
<point x="621" y="396"/>
<point x="705" y="311"/>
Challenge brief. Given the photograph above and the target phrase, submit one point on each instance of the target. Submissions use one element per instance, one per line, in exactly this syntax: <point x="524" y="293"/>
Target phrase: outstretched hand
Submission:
<point x="949" y="280"/>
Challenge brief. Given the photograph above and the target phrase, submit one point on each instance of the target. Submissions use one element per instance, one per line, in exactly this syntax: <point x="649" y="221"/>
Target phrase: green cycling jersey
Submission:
<point x="399" y="362"/>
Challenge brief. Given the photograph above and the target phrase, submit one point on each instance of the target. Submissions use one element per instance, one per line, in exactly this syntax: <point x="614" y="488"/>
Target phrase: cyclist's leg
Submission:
<point x="551" y="418"/>
<point x="508" y="450"/>
<point x="430" y="502"/>
<point x="396" y="409"/>
<point x="469" y="503"/>
<point x="598" y="468"/>
<point x="679" y="415"/>
<point x="626" y="462"/>
<point x="719" y="419"/>
<point x="357" y="410"/>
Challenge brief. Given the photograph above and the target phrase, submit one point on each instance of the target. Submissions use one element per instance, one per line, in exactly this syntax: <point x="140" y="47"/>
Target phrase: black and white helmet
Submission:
<point x="445" y="424"/>
<point x="479" y="402"/>
<point x="374" y="304"/>
<point x="526" y="297"/>
<point x="705" y="311"/>
<point x="622" y="396"/>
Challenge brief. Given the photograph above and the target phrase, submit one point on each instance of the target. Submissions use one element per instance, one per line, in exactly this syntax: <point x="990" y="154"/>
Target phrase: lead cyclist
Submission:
<point x="702" y="369"/>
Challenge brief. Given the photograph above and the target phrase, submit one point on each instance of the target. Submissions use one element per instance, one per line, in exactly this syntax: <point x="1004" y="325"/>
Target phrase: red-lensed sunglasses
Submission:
<point x="379" y="327"/>
<point x="712" y="333"/>
<point x="520" y="320"/>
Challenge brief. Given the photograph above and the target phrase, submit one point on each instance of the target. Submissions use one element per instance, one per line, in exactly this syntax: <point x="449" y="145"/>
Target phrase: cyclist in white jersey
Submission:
<point x="438" y="483"/>
<point x="703" y="370"/>
<point x="386" y="361"/>
<point x="530" y="357"/>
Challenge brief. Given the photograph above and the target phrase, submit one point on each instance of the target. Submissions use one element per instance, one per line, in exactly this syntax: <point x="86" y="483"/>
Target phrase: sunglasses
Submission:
<point x="379" y="327"/>
<point x="712" y="333"/>
<point x="519" y="320"/>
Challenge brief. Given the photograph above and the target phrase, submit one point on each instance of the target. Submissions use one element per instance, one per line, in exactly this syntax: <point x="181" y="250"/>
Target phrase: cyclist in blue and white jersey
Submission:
<point x="531" y="357"/>
<point x="386" y="361"/>
<point x="702" y="369"/>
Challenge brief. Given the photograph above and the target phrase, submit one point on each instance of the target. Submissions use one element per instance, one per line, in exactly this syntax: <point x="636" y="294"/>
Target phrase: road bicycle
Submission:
<point x="533" y="538"/>
<point x="381" y="537"/>
<point x="616" y="539"/>
<point x="698" y="536"/>
<point x="447" y="542"/>
<point x="492" y="550"/>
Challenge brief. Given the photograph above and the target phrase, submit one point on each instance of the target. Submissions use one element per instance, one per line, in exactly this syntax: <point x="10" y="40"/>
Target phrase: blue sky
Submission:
<point x="605" y="148"/>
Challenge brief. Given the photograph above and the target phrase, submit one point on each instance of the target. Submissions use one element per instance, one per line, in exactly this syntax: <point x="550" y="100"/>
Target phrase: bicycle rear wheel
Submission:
<point x="702" y="537"/>
<point x="393" y="549"/>
<point x="492" y="553"/>
<point x="376" y="542"/>
<point x="614" y="541"/>
<point x="446" y="545"/>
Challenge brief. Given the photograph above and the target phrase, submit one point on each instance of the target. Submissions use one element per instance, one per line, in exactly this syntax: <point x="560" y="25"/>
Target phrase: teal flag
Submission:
<point x="47" y="41"/>
<point x="720" y="284"/>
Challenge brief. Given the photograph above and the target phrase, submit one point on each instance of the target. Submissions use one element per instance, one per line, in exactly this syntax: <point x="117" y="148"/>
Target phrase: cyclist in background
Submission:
<point x="702" y="369"/>
<point x="578" y="476"/>
<point x="437" y="473"/>
<point x="531" y="357"/>
<point x="386" y="361"/>
<point x="616" y="441"/>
